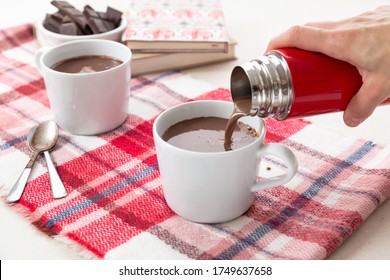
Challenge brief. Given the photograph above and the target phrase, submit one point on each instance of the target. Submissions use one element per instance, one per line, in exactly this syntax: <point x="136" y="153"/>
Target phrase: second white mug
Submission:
<point x="87" y="103"/>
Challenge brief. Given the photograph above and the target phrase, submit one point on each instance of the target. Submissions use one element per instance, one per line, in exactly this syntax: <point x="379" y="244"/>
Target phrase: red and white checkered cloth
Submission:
<point x="116" y="209"/>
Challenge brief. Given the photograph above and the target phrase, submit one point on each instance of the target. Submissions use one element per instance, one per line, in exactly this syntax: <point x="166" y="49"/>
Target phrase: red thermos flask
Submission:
<point x="291" y="82"/>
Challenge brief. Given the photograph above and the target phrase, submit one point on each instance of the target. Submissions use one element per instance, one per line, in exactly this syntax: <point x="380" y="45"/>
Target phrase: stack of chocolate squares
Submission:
<point x="70" y="21"/>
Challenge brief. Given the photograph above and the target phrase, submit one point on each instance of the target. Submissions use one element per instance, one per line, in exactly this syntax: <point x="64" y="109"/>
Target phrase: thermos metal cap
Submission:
<point x="265" y="82"/>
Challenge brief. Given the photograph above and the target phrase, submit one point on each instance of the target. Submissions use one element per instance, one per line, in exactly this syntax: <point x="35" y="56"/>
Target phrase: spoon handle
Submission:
<point x="17" y="190"/>
<point x="57" y="187"/>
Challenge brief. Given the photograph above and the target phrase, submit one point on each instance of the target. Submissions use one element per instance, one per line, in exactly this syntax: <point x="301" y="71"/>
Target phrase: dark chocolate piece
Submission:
<point x="69" y="28"/>
<point x="97" y="25"/>
<point x="107" y="22"/>
<point x="66" y="19"/>
<point x="70" y="21"/>
<point x="99" y="22"/>
<point x="51" y="24"/>
<point x="58" y="16"/>
<point x="77" y="16"/>
<point x="114" y="15"/>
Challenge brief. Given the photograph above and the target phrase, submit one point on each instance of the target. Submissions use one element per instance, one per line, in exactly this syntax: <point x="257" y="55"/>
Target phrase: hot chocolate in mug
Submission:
<point x="89" y="102"/>
<point x="214" y="187"/>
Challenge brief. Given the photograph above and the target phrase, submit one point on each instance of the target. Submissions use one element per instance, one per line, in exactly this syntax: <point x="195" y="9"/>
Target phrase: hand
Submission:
<point x="363" y="41"/>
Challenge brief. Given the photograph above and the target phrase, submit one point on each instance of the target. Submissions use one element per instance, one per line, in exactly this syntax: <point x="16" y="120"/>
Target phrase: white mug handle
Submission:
<point x="284" y="154"/>
<point x="38" y="56"/>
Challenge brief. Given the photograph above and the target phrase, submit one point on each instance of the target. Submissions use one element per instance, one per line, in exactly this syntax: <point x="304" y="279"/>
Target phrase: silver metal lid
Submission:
<point x="265" y="82"/>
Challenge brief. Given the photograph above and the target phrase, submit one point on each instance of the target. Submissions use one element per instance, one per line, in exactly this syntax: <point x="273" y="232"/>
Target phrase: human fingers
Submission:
<point x="383" y="8"/>
<point x="304" y="37"/>
<point x="323" y="24"/>
<point x="329" y="42"/>
<point x="362" y="105"/>
<point x="366" y="18"/>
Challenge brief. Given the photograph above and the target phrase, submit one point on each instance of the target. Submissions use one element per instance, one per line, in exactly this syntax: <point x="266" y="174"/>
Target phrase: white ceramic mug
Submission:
<point x="87" y="103"/>
<point x="214" y="187"/>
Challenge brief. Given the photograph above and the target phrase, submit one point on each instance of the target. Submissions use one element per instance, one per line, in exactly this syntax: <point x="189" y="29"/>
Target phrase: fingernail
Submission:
<point x="352" y="122"/>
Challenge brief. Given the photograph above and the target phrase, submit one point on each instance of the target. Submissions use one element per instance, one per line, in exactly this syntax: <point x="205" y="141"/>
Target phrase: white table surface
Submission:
<point x="252" y="23"/>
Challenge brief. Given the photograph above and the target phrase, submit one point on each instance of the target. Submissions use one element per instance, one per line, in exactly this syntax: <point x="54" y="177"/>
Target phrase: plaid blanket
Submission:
<point x="116" y="209"/>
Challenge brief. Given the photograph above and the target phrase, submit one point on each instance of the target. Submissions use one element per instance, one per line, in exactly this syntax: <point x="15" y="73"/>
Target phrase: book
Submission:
<point x="143" y="63"/>
<point x="176" y="26"/>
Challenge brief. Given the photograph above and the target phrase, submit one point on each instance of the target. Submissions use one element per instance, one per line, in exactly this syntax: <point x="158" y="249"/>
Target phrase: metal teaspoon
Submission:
<point x="41" y="139"/>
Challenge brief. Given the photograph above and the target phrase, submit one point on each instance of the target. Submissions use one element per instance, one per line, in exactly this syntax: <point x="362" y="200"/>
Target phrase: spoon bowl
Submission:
<point x="41" y="138"/>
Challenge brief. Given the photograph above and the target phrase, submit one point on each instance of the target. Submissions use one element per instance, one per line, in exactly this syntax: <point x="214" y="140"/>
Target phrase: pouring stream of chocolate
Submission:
<point x="242" y="107"/>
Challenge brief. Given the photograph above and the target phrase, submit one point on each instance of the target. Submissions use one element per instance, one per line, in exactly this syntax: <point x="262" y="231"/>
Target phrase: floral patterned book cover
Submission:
<point x="176" y="26"/>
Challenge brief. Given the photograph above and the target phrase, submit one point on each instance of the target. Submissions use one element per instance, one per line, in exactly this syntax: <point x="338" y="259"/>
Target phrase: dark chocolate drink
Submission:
<point x="86" y="64"/>
<point x="242" y="107"/>
<point x="207" y="134"/>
